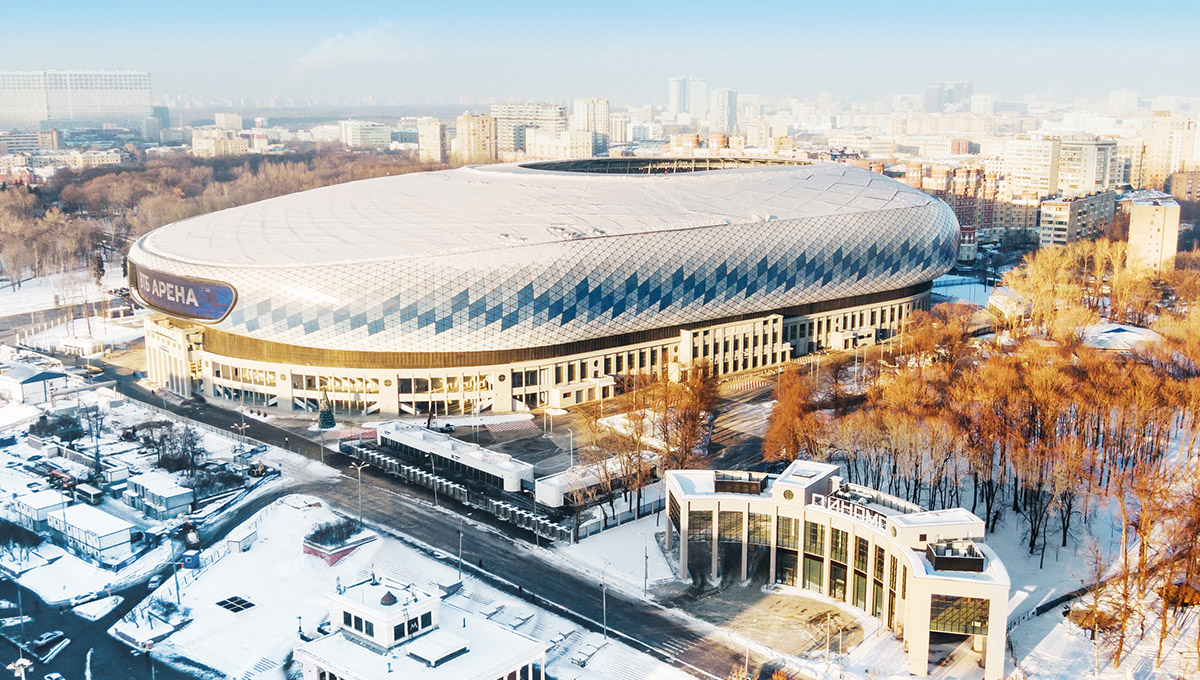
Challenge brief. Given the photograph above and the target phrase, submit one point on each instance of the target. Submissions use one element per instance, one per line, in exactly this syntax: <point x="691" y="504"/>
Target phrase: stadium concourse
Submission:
<point x="507" y="288"/>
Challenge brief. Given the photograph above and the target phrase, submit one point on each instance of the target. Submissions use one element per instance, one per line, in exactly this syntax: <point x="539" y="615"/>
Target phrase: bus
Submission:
<point x="89" y="494"/>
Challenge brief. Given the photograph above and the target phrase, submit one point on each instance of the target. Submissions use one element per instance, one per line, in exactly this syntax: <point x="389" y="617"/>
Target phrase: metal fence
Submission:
<point x="498" y="507"/>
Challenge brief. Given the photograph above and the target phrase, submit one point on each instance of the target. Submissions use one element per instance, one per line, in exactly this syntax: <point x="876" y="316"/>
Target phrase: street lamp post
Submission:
<point x="359" y="467"/>
<point x="571" y="450"/>
<point x="604" y="598"/>
<point x="645" y="562"/>
<point x="460" y="537"/>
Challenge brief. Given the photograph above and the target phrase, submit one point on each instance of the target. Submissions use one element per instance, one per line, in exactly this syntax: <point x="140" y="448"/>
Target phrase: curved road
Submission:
<point x="504" y="553"/>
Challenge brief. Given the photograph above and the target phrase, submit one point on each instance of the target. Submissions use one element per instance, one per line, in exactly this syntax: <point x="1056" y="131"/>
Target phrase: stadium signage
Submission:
<point x="183" y="296"/>
<point x="855" y="510"/>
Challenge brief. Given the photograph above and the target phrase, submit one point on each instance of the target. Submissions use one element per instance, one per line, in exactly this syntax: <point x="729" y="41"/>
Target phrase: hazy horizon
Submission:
<point x="466" y="52"/>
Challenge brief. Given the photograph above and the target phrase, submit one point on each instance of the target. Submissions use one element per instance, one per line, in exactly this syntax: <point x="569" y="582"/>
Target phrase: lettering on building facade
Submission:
<point x="851" y="509"/>
<point x="182" y="296"/>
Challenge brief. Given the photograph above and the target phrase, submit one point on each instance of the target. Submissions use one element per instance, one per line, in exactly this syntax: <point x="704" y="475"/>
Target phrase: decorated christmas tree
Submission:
<point x="325" y="414"/>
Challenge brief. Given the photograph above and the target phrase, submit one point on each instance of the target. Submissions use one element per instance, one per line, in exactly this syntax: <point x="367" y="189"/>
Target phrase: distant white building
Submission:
<point x="25" y="384"/>
<point x="384" y="629"/>
<point x="433" y="145"/>
<point x="92" y="532"/>
<point x="364" y="134"/>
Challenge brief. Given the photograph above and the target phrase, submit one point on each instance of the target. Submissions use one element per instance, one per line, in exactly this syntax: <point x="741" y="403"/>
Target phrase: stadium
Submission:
<point x="511" y="287"/>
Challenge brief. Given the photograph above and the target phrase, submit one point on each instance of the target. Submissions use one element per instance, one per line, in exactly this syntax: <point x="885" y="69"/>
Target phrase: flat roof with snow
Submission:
<point x="40" y="500"/>
<point x="89" y="519"/>
<point x="491" y="650"/>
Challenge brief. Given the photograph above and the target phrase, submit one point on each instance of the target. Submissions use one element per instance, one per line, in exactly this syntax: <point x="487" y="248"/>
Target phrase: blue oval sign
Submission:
<point x="183" y="296"/>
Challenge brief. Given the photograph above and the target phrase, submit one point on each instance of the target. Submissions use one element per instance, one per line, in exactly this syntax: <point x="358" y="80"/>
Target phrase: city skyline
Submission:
<point x="448" y="54"/>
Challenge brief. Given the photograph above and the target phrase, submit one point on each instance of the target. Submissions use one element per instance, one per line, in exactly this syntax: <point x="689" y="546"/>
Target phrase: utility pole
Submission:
<point x="572" y="446"/>
<point x="460" y="539"/>
<point x="359" y="467"/>
<point x="604" y="598"/>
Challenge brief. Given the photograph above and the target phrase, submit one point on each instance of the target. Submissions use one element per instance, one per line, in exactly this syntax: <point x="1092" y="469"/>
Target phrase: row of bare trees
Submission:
<point x="76" y="217"/>
<point x="1039" y="425"/>
<point x="670" y="418"/>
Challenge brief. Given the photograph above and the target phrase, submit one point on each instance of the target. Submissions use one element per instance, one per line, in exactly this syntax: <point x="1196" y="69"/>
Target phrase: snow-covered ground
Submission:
<point x="54" y="290"/>
<point x="963" y="289"/>
<point x="288" y="589"/>
<point x="95" y="330"/>
<point x="614" y="554"/>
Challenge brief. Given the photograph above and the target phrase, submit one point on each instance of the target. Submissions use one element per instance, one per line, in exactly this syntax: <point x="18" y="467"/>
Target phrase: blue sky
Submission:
<point x="451" y="52"/>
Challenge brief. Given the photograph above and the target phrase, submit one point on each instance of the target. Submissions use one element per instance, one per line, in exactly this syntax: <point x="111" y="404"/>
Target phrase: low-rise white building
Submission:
<point x="93" y="532"/>
<point x="30" y="384"/>
<point x="33" y="509"/>
<point x="158" y="495"/>
<point x="917" y="571"/>
<point x="385" y="629"/>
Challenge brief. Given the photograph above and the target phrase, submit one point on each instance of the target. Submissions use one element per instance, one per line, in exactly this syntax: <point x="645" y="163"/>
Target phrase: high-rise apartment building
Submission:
<point x="511" y="121"/>
<point x="1066" y="220"/>
<point x="364" y="134"/>
<point x="1153" y="229"/>
<point x="1031" y="166"/>
<point x="32" y="100"/>
<point x="1184" y="186"/>
<point x="723" y="111"/>
<point x="432" y="146"/>
<point x="591" y="115"/>
<point x="618" y="128"/>
<point x="677" y="97"/>
<point x="475" y="140"/>
<point x="934" y="98"/>
<point x="1086" y="166"/>
<point x="687" y="95"/>
<point x="697" y="99"/>
<point x="1168" y="145"/>
<point x="227" y="121"/>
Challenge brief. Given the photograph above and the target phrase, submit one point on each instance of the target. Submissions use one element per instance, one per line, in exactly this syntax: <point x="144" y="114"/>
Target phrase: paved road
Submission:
<point x="110" y="660"/>
<point x="503" y="553"/>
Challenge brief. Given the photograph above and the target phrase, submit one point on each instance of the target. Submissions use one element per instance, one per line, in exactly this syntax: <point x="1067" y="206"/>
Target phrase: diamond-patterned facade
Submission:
<point x="532" y="294"/>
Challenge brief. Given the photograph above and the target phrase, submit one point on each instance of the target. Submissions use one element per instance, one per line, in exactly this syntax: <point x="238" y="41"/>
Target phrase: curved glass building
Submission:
<point x="507" y="287"/>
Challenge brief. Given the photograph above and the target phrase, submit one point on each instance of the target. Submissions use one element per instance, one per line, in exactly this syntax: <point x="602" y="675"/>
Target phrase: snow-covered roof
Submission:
<point x="1118" y="337"/>
<point x="159" y="483"/>
<point x="23" y="374"/>
<point x="493" y="650"/>
<point x="482" y="208"/>
<point x="40" y="500"/>
<point x="1151" y="197"/>
<point x="91" y="520"/>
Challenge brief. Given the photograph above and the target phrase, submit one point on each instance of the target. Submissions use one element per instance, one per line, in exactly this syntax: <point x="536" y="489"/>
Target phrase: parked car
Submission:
<point x="47" y="638"/>
<point x="261" y="448"/>
<point x="36" y="486"/>
<point x="446" y="428"/>
<point x="155" y="581"/>
<point x="53" y="676"/>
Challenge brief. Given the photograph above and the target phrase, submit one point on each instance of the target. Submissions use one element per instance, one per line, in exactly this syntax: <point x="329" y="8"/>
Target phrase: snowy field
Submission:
<point x="107" y="332"/>
<point x="288" y="589"/>
<point x="963" y="289"/>
<point x="47" y="292"/>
